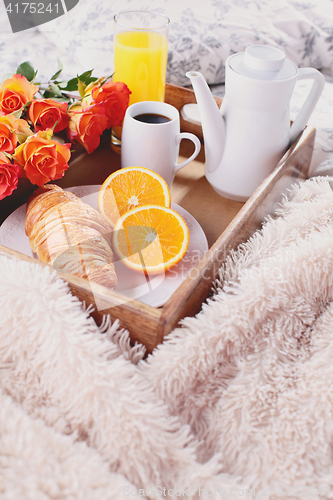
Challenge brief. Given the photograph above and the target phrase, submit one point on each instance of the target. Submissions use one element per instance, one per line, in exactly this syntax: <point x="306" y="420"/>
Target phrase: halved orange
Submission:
<point x="131" y="187"/>
<point x="151" y="238"/>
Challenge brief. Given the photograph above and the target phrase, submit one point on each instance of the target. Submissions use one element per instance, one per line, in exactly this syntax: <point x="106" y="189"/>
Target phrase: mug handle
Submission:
<point x="197" y="145"/>
<point x="310" y="103"/>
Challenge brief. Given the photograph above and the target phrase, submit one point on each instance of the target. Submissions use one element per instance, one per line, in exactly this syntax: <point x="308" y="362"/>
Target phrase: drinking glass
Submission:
<point x="140" y="57"/>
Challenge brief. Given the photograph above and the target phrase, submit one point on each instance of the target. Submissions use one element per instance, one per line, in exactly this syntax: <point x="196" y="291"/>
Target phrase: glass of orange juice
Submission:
<point x="140" y="57"/>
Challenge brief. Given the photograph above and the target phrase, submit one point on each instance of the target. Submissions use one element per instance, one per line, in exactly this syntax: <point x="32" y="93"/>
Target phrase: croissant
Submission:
<point x="70" y="235"/>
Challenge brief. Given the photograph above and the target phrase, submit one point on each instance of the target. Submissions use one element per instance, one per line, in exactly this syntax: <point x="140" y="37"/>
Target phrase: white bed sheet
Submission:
<point x="202" y="36"/>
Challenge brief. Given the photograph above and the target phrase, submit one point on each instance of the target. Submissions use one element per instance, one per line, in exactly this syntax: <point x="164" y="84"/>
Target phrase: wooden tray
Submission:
<point x="226" y="224"/>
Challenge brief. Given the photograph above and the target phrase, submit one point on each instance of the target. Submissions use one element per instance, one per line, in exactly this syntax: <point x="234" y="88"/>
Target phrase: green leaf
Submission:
<point x="60" y="68"/>
<point x="27" y="70"/>
<point x="69" y="86"/>
<point x="63" y="99"/>
<point x="90" y="80"/>
<point x="56" y="90"/>
<point x="106" y="79"/>
<point x="55" y="76"/>
<point x="86" y="75"/>
<point x="52" y="91"/>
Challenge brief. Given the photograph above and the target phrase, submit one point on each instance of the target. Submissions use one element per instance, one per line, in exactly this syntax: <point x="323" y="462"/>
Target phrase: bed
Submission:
<point x="238" y="400"/>
<point x="201" y="38"/>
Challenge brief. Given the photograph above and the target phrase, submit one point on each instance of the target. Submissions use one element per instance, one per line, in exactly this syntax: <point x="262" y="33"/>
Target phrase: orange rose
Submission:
<point x="42" y="159"/>
<point x="8" y="138"/>
<point x="86" y="125"/>
<point x="9" y="176"/>
<point x="15" y="92"/>
<point x="12" y="130"/>
<point x="44" y="113"/>
<point x="115" y="97"/>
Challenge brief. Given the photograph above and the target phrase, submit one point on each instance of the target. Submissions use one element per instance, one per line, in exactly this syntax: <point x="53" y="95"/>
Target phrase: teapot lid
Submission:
<point x="263" y="62"/>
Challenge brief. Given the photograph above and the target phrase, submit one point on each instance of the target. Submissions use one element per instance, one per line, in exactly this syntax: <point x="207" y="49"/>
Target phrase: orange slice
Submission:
<point x="151" y="239"/>
<point x="131" y="187"/>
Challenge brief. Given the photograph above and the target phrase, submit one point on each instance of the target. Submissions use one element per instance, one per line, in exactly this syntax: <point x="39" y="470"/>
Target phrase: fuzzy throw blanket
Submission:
<point x="236" y="403"/>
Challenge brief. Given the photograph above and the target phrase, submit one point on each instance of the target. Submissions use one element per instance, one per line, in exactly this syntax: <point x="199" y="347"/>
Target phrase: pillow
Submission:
<point x="202" y="34"/>
<point x="203" y="38"/>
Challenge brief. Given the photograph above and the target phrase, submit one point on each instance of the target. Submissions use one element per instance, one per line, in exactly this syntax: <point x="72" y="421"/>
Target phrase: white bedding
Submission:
<point x="202" y="35"/>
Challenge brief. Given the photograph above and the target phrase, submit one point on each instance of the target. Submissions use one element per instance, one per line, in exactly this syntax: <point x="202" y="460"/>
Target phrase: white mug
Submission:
<point x="154" y="145"/>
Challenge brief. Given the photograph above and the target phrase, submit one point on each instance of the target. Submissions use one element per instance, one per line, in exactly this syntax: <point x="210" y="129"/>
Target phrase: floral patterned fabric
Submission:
<point x="202" y="35"/>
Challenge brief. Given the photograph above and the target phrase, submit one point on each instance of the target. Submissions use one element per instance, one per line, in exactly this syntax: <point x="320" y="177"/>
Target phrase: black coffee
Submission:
<point x="152" y="118"/>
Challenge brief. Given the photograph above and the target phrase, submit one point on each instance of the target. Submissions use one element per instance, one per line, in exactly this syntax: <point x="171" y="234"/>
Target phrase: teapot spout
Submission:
<point x="213" y="125"/>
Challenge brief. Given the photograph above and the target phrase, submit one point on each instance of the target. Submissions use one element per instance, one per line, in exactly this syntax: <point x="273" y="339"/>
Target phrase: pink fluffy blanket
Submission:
<point x="236" y="402"/>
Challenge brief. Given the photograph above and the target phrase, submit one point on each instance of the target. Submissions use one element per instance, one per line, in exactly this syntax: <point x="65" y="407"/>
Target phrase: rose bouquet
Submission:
<point x="30" y="113"/>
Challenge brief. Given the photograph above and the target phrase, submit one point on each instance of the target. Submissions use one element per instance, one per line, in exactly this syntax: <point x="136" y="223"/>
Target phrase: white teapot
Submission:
<point x="246" y="138"/>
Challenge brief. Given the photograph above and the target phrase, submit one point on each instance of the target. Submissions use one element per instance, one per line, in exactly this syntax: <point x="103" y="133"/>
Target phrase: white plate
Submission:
<point x="154" y="290"/>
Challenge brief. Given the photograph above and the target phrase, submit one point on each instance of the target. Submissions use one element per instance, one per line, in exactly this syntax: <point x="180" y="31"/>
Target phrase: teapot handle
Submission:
<point x="310" y="103"/>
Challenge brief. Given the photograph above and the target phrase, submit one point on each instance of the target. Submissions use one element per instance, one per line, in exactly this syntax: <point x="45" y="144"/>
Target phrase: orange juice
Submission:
<point x="140" y="59"/>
